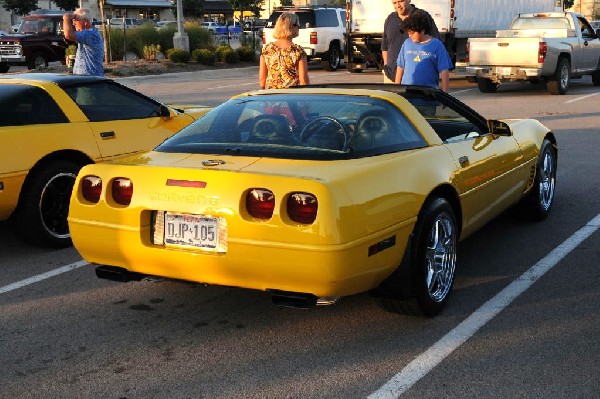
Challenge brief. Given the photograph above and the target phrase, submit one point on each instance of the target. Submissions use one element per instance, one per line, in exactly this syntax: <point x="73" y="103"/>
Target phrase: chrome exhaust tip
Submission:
<point x="327" y="300"/>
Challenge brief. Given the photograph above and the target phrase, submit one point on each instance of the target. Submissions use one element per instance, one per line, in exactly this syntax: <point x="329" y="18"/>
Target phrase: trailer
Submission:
<point x="457" y="21"/>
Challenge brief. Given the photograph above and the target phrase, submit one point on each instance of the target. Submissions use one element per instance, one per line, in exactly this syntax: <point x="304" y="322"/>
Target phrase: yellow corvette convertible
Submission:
<point x="52" y="125"/>
<point x="315" y="193"/>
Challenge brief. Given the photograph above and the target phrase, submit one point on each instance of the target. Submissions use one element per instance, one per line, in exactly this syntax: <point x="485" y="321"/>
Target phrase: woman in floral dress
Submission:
<point x="283" y="63"/>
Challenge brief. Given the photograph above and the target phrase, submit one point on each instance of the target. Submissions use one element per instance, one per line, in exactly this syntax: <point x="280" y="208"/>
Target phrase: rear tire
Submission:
<point x="487" y="85"/>
<point x="41" y="215"/>
<point x="433" y="262"/>
<point x="332" y="59"/>
<point x="559" y="83"/>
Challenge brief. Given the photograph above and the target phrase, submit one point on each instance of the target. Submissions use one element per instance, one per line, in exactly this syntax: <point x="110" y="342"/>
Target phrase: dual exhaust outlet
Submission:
<point x="297" y="300"/>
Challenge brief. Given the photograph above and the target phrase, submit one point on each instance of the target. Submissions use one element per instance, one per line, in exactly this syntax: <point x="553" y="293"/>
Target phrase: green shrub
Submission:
<point x="178" y="55"/>
<point x="71" y="50"/>
<point x="165" y="38"/>
<point x="199" y="37"/>
<point x="230" y="56"/>
<point x="204" y="56"/>
<point x="141" y="37"/>
<point x="121" y="43"/>
<point x="246" y="53"/>
<point x="220" y="50"/>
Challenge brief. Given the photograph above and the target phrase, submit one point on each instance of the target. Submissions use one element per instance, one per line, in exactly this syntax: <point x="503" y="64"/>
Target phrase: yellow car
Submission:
<point x="52" y="125"/>
<point x="315" y="193"/>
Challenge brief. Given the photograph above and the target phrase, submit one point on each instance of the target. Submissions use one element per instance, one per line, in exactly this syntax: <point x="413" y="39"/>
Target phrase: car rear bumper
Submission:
<point x="320" y="270"/>
<point x="503" y="73"/>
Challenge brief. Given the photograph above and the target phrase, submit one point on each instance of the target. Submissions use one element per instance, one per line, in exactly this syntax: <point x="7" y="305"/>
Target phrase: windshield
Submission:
<point x="39" y="25"/>
<point x="299" y="126"/>
<point x="541" y="23"/>
<point x="306" y="18"/>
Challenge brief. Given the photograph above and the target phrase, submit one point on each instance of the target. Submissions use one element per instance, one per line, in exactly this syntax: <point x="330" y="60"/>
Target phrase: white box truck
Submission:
<point x="457" y="21"/>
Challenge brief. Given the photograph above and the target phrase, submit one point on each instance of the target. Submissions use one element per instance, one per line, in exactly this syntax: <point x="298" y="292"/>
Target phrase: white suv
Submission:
<point x="321" y="33"/>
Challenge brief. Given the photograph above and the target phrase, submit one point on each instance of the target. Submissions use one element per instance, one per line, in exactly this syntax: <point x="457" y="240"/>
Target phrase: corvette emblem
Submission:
<point x="212" y="162"/>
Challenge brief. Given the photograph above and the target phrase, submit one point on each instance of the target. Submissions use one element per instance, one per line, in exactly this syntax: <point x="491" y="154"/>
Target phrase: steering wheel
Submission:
<point x="317" y="124"/>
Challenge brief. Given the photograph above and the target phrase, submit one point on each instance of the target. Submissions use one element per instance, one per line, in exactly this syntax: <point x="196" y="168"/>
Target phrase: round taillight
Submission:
<point x="91" y="188"/>
<point x="260" y="203"/>
<point x="122" y="190"/>
<point x="302" y="207"/>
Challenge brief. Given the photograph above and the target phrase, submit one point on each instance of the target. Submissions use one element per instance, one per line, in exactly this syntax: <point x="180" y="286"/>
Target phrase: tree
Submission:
<point x="254" y="6"/>
<point x="20" y="7"/>
<point x="192" y="8"/>
<point x="568" y="4"/>
<point x="67" y="4"/>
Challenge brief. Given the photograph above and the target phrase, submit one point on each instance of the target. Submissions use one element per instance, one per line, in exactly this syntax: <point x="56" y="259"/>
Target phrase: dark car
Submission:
<point x="38" y="41"/>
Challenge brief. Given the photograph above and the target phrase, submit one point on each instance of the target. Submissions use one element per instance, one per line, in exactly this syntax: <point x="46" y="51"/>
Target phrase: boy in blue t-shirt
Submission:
<point x="423" y="59"/>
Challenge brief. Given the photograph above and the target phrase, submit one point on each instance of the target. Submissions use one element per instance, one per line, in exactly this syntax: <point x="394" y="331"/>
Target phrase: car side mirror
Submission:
<point x="164" y="112"/>
<point x="499" y="128"/>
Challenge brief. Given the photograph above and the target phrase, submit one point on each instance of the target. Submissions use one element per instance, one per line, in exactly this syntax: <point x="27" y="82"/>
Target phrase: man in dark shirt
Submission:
<point x="394" y="36"/>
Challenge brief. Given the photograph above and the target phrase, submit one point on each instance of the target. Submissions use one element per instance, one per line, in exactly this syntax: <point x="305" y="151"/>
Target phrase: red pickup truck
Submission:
<point x="38" y="41"/>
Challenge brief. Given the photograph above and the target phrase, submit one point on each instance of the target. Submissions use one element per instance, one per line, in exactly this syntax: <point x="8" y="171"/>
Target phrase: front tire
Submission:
<point x="537" y="204"/>
<point x="41" y="215"/>
<point x="4" y="67"/>
<point x="559" y="83"/>
<point x="433" y="261"/>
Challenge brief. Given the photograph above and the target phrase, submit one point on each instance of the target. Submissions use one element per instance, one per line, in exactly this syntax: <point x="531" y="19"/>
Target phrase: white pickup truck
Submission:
<point x="551" y="47"/>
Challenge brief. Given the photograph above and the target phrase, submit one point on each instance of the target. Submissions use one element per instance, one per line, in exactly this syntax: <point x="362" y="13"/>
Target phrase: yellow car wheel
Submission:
<point x="432" y="263"/>
<point x="537" y="204"/>
<point x="41" y="215"/>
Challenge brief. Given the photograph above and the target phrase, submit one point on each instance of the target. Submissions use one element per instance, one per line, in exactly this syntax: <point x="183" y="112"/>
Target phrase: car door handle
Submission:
<point x="107" y="135"/>
<point x="463" y="161"/>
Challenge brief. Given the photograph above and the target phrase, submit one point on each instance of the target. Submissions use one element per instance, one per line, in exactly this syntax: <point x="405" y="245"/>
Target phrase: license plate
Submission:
<point x="506" y="70"/>
<point x="195" y="231"/>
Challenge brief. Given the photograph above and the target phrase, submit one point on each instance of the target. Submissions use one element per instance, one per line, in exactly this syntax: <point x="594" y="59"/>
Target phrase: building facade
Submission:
<point x="588" y="8"/>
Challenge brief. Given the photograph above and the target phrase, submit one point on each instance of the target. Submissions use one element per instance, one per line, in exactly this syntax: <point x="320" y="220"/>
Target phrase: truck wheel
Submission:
<point x="596" y="78"/>
<point x="559" y="83"/>
<point x="41" y="215"/>
<point x="37" y="61"/>
<point x="331" y="60"/>
<point x="487" y="85"/>
<point x="4" y="68"/>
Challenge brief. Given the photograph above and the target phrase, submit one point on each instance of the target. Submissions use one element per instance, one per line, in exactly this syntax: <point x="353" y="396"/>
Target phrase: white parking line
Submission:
<point x="229" y="86"/>
<point x="581" y="98"/>
<point x="461" y="91"/>
<point x="425" y="362"/>
<point x="40" y="277"/>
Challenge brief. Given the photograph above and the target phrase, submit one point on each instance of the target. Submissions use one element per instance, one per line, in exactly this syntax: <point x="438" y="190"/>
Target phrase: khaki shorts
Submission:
<point x="386" y="80"/>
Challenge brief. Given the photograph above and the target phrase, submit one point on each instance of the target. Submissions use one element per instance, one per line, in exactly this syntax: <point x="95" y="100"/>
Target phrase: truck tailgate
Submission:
<point x="514" y="51"/>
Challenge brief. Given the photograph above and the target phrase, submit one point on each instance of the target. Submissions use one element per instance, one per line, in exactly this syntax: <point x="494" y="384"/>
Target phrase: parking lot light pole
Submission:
<point x="181" y="39"/>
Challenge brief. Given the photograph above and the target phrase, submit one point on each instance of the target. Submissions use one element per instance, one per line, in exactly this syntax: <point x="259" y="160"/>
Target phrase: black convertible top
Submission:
<point x="60" y="80"/>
